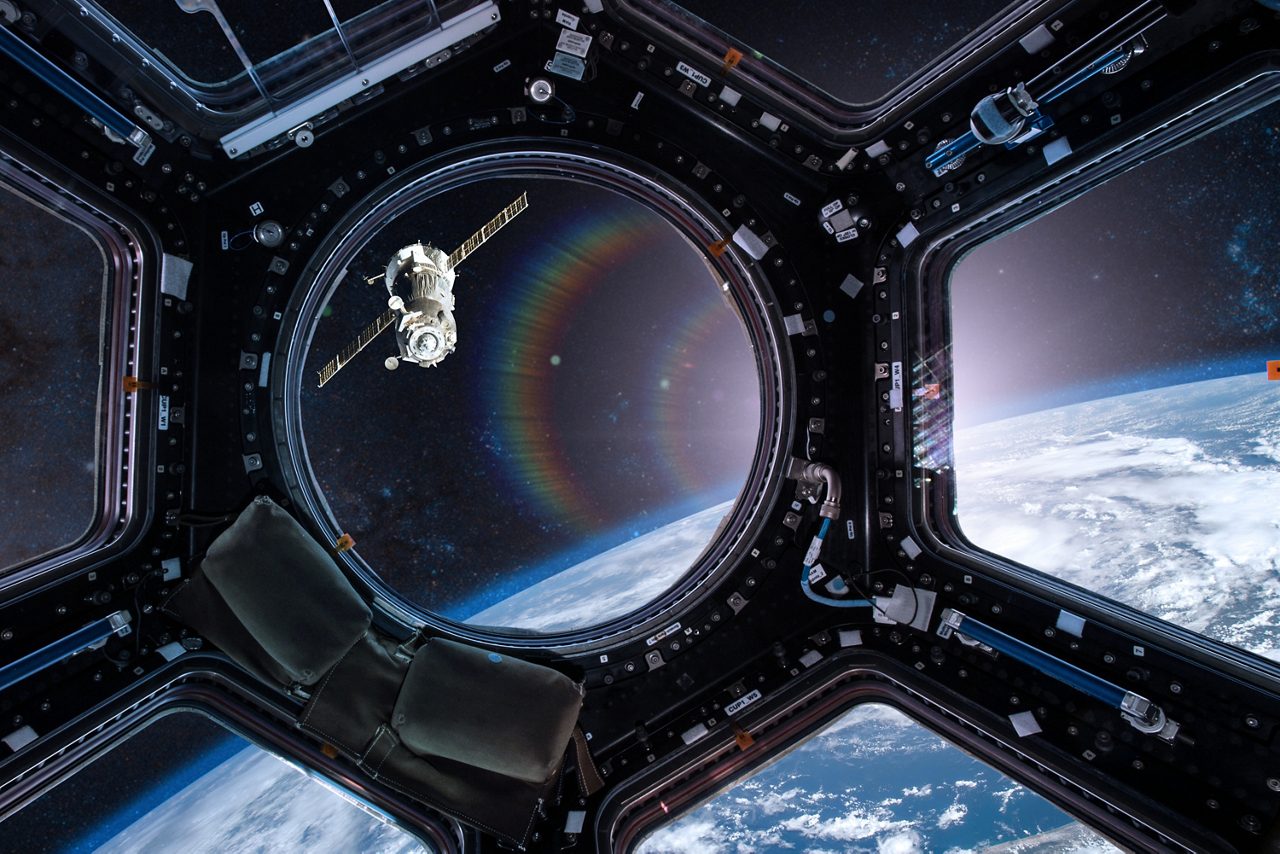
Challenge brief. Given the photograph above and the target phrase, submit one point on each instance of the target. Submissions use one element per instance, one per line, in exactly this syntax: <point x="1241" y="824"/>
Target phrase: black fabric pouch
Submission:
<point x="270" y="597"/>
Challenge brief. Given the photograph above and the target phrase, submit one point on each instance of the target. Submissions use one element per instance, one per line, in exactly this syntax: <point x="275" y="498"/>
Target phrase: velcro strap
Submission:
<point x="588" y="776"/>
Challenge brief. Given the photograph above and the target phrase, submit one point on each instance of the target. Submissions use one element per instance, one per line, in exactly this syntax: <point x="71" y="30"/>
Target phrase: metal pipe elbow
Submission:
<point x="826" y="473"/>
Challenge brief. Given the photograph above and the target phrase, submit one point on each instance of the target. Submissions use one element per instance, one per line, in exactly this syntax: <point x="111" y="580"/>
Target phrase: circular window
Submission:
<point x="532" y="401"/>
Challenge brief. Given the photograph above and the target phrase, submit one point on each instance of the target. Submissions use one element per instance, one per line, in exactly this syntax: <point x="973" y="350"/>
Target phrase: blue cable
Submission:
<point x="820" y="599"/>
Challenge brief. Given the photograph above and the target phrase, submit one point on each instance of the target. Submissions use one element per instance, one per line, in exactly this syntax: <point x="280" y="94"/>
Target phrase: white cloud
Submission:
<point x="953" y="815"/>
<point x="856" y="825"/>
<point x="918" y="791"/>
<point x="966" y="784"/>
<point x="772" y="803"/>
<point x="1006" y="795"/>
<point x="689" y="836"/>
<point x="903" y="842"/>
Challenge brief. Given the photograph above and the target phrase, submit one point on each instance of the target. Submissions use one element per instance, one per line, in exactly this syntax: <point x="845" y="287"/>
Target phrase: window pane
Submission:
<point x="855" y="51"/>
<point x="184" y="784"/>
<point x="573" y="457"/>
<point x="53" y="295"/>
<point x="875" y="780"/>
<point x="291" y="43"/>
<point x="1116" y="424"/>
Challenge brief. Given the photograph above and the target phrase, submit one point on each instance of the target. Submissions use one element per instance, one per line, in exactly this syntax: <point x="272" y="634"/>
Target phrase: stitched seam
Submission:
<point x="331" y="740"/>
<point x="325" y="684"/>
<point x="385" y="755"/>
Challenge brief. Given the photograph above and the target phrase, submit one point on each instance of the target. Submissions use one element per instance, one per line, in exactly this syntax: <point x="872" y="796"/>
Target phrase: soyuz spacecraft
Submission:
<point x="426" y="330"/>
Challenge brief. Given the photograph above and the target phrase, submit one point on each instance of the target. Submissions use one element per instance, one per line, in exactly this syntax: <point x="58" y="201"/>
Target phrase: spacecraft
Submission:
<point x="211" y="578"/>
<point x="425" y="328"/>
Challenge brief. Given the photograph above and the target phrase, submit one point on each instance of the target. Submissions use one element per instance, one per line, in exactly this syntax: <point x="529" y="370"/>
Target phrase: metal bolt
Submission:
<point x="1252" y="722"/>
<point x="1273" y="784"/>
<point x="1175" y="687"/>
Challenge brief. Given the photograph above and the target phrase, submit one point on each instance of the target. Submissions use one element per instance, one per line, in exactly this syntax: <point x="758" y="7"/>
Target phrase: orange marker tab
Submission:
<point x="132" y="384"/>
<point x="329" y="750"/>
<point x="718" y="248"/>
<point x="345" y="543"/>
<point x="1273" y="369"/>
<point x="742" y="737"/>
<point x="731" y="60"/>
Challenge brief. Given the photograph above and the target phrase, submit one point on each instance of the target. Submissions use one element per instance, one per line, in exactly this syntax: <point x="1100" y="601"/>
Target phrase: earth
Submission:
<point x="1164" y="500"/>
<point x="612" y="583"/>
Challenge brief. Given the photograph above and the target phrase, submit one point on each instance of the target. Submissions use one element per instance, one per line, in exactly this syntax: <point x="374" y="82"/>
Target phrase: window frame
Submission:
<point x="1241" y="90"/>
<point x="124" y="448"/>
<point x="803" y="102"/>
<point x="203" y="109"/>
<point x="689" y="213"/>
<point x="848" y="679"/>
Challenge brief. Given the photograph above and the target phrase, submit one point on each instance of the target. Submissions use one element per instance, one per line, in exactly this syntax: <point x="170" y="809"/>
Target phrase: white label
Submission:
<point x="895" y="387"/>
<point x="791" y="199"/>
<point x="828" y="227"/>
<point x="846" y="235"/>
<point x="811" y="556"/>
<point x="635" y="102"/>
<point x="693" y="74"/>
<point x="564" y="19"/>
<point x="502" y="66"/>
<point x="742" y="702"/>
<point x="226" y="240"/>
<point x="668" y="631"/>
<point x="848" y="526"/>
<point x="834" y="207"/>
<point x="816" y="574"/>
<point x="567" y="66"/>
<point x="256" y="209"/>
<point x="164" y="413"/>
<point x="573" y="42"/>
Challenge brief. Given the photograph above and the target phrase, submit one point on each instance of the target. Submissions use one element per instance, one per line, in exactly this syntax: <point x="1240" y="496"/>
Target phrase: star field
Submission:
<point x="1168" y="273"/>
<point x="51" y="296"/>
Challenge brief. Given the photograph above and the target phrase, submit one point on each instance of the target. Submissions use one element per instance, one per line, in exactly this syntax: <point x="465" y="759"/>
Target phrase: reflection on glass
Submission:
<point x="856" y="51"/>
<point x="1117" y="427"/>
<point x="185" y="784"/>
<point x="292" y="46"/>
<point x="53" y="291"/>
<point x="575" y="455"/>
<point x="875" y="780"/>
